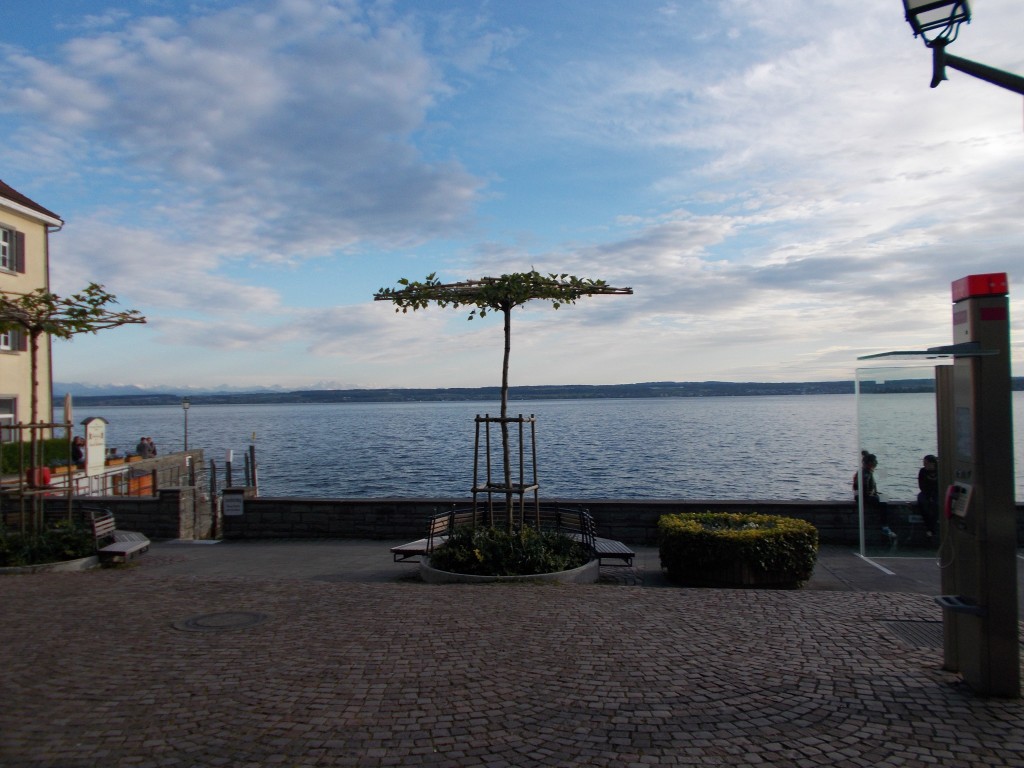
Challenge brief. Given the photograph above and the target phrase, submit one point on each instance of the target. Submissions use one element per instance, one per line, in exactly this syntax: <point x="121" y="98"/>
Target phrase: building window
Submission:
<point x="8" y="407"/>
<point x="12" y="250"/>
<point x="6" y="250"/>
<point x="13" y="341"/>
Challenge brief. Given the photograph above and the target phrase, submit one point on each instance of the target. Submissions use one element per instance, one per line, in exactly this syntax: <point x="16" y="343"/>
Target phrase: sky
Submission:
<point x="775" y="181"/>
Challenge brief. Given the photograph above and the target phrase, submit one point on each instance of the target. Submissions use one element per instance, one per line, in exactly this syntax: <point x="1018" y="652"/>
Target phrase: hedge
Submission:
<point x="737" y="550"/>
<point x="55" y="451"/>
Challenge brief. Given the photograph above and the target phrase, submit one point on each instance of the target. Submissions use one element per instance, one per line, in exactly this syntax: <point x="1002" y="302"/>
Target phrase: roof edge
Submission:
<point x="14" y="199"/>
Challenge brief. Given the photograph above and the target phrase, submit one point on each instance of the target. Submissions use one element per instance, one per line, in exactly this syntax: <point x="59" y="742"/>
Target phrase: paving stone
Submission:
<point x="380" y="673"/>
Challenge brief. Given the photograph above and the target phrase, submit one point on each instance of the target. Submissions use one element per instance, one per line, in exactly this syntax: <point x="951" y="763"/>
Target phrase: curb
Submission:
<point x="82" y="564"/>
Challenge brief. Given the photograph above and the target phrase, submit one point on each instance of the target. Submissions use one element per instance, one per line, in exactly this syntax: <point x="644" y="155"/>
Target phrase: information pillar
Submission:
<point x="979" y="532"/>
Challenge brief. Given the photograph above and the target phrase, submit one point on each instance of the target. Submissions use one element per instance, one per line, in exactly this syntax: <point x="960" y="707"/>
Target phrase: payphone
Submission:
<point x="958" y="498"/>
<point x="979" y="527"/>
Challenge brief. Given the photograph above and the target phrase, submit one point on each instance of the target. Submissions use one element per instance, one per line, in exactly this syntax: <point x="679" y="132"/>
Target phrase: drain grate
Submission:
<point x="917" y="634"/>
<point x="221" y="622"/>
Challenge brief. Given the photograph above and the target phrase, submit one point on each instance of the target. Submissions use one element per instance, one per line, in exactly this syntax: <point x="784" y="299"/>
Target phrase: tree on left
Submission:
<point x="40" y="312"/>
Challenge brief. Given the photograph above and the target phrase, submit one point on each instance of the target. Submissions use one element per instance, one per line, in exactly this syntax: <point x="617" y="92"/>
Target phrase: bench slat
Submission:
<point x="611" y="546"/>
<point x="129" y="536"/>
<point x="611" y="549"/>
<point x="126" y="547"/>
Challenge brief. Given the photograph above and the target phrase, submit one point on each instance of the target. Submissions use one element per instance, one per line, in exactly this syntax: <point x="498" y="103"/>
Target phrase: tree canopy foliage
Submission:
<point x="41" y="312"/>
<point x="497" y="294"/>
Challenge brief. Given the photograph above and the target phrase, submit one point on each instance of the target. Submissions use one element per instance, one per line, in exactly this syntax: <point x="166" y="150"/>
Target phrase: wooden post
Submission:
<point x="213" y="479"/>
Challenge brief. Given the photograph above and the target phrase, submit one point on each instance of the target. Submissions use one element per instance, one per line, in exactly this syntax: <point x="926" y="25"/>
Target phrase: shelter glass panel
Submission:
<point x="897" y="428"/>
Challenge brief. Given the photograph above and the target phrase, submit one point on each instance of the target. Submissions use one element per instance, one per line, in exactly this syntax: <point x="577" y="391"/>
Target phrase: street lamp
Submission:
<point x="185" y="403"/>
<point x="938" y="23"/>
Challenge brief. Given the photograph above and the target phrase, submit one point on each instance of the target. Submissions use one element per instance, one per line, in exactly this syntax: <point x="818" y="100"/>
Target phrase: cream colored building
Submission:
<point x="25" y="228"/>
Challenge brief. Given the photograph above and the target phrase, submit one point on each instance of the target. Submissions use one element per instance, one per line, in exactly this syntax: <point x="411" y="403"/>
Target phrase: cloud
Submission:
<point x="779" y="186"/>
<point x="286" y="126"/>
<point x="174" y="276"/>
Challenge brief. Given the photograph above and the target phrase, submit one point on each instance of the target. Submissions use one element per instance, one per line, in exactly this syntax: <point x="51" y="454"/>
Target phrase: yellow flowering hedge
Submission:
<point x="732" y="549"/>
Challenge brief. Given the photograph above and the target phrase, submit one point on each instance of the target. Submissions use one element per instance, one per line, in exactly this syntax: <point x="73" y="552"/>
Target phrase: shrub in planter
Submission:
<point x="737" y="550"/>
<point x="64" y="541"/>
<point x="484" y="551"/>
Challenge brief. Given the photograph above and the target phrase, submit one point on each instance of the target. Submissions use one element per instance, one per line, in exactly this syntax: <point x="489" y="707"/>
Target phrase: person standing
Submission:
<point x="928" y="496"/>
<point x="144" y="448"/>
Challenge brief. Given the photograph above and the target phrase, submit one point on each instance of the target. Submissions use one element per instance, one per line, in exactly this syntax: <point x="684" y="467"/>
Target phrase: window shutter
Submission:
<point x="20" y="340"/>
<point x="19" y="252"/>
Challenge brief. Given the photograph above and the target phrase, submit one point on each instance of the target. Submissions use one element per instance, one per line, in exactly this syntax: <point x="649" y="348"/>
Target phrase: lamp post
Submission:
<point x="938" y="23"/>
<point x="185" y="403"/>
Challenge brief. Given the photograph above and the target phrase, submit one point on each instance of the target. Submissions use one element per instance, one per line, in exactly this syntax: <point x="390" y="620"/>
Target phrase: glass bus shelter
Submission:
<point x="897" y="423"/>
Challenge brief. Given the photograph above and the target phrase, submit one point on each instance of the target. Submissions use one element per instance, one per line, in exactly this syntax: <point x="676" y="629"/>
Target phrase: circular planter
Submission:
<point x="585" y="574"/>
<point x="81" y="564"/>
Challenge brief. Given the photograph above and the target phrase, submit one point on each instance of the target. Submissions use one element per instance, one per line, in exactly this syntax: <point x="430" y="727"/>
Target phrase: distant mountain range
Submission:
<point x="60" y="388"/>
<point x="131" y="395"/>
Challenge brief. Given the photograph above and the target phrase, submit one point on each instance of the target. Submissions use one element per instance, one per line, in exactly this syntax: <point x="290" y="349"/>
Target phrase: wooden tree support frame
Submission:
<point x="21" y="495"/>
<point x="514" y="494"/>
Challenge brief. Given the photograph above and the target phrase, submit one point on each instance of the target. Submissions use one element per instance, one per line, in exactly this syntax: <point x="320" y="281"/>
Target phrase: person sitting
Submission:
<point x="872" y="499"/>
<point x="145" y="449"/>
<point x="78" y="452"/>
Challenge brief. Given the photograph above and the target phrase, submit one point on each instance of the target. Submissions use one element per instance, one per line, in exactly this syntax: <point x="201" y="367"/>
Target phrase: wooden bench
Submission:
<point x="112" y="545"/>
<point x="578" y="523"/>
<point x="438" y="528"/>
<point x="575" y="523"/>
<point x="609" y="549"/>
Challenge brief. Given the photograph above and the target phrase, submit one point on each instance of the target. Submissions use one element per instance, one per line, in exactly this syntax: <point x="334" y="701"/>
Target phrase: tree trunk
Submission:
<point x="34" y="375"/>
<point x="35" y="434"/>
<point x="505" y="450"/>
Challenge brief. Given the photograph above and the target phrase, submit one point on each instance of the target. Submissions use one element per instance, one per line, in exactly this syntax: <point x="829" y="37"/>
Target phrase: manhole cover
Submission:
<point x="221" y="622"/>
<point x="917" y="634"/>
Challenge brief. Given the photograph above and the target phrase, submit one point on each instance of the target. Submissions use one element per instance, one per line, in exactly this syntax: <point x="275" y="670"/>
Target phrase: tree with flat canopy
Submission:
<point x="40" y="312"/>
<point x="497" y="294"/>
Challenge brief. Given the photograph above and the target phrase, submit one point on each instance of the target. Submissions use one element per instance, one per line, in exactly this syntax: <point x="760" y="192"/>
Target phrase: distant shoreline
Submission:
<point x="553" y="392"/>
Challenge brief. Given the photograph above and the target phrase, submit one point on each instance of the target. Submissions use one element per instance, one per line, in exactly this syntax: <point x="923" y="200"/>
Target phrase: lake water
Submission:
<point x="778" y="447"/>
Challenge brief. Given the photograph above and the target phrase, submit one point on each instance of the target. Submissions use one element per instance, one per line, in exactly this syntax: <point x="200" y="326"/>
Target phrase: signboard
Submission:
<point x="232" y="504"/>
<point x="95" y="445"/>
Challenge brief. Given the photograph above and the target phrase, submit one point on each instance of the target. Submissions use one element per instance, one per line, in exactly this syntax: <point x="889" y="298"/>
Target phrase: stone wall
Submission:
<point x="174" y="513"/>
<point x="332" y="518"/>
<point x="633" y="522"/>
<point x="181" y="513"/>
<point x="178" y="510"/>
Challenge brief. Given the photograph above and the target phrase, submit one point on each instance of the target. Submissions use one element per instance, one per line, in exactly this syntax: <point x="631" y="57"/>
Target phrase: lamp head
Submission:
<point x="937" y="20"/>
<point x="185" y="403"/>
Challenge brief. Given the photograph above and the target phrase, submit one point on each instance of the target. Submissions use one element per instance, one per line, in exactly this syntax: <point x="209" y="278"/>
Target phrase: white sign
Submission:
<point x="232" y="504"/>
<point x="95" y="445"/>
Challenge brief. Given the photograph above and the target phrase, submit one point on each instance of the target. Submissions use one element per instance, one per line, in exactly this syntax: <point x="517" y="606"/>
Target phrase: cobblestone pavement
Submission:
<point x="151" y="667"/>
